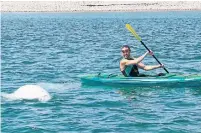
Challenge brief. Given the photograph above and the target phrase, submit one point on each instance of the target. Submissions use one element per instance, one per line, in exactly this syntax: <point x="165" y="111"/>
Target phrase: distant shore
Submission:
<point x="98" y="6"/>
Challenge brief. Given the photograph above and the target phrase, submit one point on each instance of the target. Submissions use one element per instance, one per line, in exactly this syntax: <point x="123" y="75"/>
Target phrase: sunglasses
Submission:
<point x="124" y="51"/>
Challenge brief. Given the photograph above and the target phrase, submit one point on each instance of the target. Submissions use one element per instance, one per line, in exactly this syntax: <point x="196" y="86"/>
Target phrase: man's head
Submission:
<point x="125" y="49"/>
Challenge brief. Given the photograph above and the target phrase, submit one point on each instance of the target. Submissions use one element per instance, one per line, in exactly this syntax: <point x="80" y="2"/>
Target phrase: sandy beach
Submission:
<point x="98" y="6"/>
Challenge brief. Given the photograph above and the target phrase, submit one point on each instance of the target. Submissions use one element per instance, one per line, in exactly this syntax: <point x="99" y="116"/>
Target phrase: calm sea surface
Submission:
<point x="52" y="49"/>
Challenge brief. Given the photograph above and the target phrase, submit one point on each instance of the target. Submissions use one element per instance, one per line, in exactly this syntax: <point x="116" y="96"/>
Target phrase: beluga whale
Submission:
<point x="28" y="92"/>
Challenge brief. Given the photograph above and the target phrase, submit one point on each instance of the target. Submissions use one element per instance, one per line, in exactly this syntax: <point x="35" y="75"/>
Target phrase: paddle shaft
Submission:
<point x="153" y="56"/>
<point x="129" y="27"/>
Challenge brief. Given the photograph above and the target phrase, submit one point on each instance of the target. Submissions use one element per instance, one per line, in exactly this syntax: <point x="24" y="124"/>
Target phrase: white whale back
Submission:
<point x="29" y="92"/>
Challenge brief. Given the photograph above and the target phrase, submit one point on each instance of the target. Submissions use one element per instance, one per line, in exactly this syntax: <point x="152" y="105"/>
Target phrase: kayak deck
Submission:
<point x="153" y="80"/>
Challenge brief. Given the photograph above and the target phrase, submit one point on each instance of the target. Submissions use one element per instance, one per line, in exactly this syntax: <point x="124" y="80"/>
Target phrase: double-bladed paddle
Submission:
<point x="129" y="27"/>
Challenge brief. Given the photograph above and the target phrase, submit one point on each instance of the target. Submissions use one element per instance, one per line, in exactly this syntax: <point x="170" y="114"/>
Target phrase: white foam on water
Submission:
<point x="59" y="87"/>
<point x="28" y="92"/>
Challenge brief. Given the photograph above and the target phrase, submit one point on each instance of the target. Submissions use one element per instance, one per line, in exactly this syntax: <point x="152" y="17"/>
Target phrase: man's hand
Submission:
<point x="151" y="52"/>
<point x="162" y="66"/>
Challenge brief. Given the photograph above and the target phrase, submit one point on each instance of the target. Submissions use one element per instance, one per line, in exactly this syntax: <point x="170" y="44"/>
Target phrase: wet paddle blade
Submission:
<point x="129" y="27"/>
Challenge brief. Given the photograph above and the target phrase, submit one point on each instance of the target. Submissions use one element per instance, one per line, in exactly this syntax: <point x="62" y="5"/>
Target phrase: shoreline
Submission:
<point x="176" y="10"/>
<point x="98" y="6"/>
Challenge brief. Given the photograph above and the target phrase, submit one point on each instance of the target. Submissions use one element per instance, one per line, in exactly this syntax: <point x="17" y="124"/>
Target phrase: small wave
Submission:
<point x="59" y="87"/>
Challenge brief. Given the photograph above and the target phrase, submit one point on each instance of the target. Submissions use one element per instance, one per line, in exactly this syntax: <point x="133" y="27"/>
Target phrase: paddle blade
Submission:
<point x="129" y="27"/>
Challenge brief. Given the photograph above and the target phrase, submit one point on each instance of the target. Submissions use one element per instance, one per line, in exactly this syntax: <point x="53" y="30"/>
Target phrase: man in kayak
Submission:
<point x="129" y="65"/>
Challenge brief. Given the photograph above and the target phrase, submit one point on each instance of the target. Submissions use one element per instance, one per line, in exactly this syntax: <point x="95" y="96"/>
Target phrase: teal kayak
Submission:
<point x="155" y="80"/>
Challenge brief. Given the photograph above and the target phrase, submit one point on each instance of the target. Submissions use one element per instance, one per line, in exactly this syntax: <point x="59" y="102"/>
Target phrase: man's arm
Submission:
<point x="147" y="68"/>
<point x="122" y="64"/>
<point x="137" y="60"/>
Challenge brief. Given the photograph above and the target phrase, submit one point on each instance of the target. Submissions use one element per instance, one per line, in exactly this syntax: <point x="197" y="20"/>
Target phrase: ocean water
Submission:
<point x="51" y="49"/>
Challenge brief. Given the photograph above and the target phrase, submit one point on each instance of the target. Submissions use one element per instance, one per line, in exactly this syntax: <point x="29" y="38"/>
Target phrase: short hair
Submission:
<point x="126" y="46"/>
